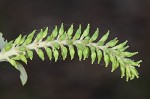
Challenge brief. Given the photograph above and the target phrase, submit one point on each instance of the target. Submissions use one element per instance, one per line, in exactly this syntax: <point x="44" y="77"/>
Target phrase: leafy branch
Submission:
<point x="62" y="42"/>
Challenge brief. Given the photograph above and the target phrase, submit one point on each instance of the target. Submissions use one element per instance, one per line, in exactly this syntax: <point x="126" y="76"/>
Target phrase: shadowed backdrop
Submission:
<point x="126" y="19"/>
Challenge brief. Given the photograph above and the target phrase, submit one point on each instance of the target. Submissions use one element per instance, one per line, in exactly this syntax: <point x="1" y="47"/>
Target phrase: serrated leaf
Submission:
<point x="72" y="51"/>
<point x="23" y="74"/>
<point x="49" y="52"/>
<point x="40" y="54"/>
<point x="78" y="33"/>
<point x="30" y="54"/>
<point x="2" y="41"/>
<point x="93" y="56"/>
<point x="95" y="35"/>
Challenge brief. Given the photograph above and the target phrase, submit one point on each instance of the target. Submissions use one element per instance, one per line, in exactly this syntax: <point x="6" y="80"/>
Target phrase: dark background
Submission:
<point x="126" y="19"/>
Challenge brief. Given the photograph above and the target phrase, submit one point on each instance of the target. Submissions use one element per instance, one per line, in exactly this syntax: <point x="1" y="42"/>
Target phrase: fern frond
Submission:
<point x="62" y="42"/>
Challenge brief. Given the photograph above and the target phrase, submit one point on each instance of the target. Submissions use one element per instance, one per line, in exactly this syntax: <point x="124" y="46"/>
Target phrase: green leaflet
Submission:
<point x="85" y="32"/>
<point x="61" y="30"/>
<point x="30" y="37"/>
<point x="17" y="40"/>
<point x="56" y="54"/>
<point x="41" y="54"/>
<point x="30" y="54"/>
<point x="103" y="39"/>
<point x="85" y="53"/>
<point x="49" y="52"/>
<point x="23" y="58"/>
<point x="99" y="55"/>
<point x="70" y="30"/>
<point x="95" y="35"/>
<point x="106" y="59"/>
<point x="55" y="32"/>
<point x="78" y="33"/>
<point x="93" y="56"/>
<point x="72" y="51"/>
<point x="64" y="52"/>
<point x="60" y="41"/>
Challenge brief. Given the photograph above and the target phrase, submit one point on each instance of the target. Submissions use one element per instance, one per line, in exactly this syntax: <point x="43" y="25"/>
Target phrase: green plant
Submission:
<point x="61" y="42"/>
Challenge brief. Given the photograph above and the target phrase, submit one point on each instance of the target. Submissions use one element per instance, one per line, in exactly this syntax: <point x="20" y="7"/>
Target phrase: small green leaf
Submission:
<point x="45" y="32"/>
<point x="104" y="38"/>
<point x="39" y="36"/>
<point x="22" y="40"/>
<point x="8" y="46"/>
<point x="114" y="62"/>
<point x="85" y="32"/>
<point x="17" y="40"/>
<point x="64" y="52"/>
<point x="55" y="54"/>
<point x="61" y="30"/>
<point x="55" y="32"/>
<point x="85" y="53"/>
<point x="49" y="38"/>
<point x="106" y="59"/>
<point x="30" y="37"/>
<point x="41" y="54"/>
<point x="80" y="54"/>
<point x="23" y="58"/>
<point x="70" y="30"/>
<point x="122" y="69"/>
<point x="112" y="42"/>
<point x="95" y="35"/>
<point x="63" y="36"/>
<point x="93" y="56"/>
<point x="49" y="52"/>
<point x="134" y="71"/>
<point x="128" y="73"/>
<point x="129" y="54"/>
<point x="30" y="54"/>
<point x="120" y="45"/>
<point x="56" y="45"/>
<point x="13" y="62"/>
<point x="78" y="33"/>
<point x="72" y="51"/>
<point x="99" y="55"/>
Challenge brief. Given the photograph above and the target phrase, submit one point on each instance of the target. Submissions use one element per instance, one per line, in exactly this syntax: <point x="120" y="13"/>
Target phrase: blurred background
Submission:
<point x="126" y="19"/>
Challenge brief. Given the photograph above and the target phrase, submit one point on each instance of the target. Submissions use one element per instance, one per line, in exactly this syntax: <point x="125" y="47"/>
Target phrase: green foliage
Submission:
<point x="62" y="42"/>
